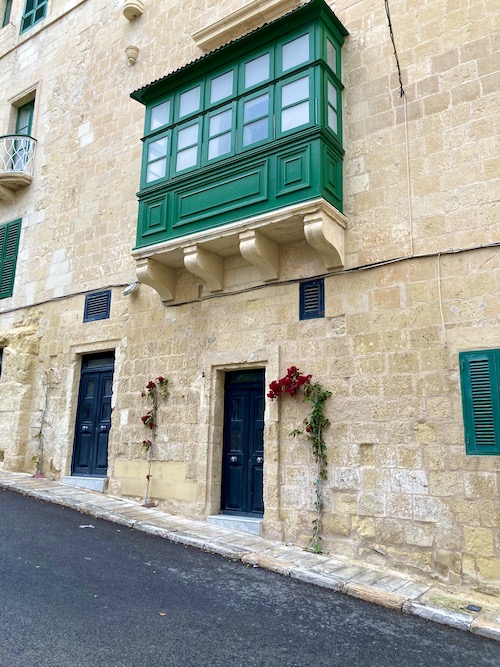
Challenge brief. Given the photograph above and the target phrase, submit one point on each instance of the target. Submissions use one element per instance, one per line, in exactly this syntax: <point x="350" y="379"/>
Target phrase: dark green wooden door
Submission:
<point x="93" y="422"/>
<point x="243" y="450"/>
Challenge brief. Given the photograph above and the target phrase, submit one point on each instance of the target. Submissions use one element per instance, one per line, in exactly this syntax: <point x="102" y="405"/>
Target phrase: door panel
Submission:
<point x="93" y="422"/>
<point x="243" y="453"/>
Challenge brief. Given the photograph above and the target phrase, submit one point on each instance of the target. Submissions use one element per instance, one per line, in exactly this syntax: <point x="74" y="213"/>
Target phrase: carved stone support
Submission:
<point x="205" y="265"/>
<point x="326" y="234"/>
<point x="6" y="195"/>
<point x="158" y="276"/>
<point x="260" y="251"/>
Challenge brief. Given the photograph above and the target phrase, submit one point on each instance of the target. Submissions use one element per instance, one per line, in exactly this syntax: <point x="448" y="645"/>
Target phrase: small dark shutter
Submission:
<point x="312" y="299"/>
<point x="479" y="376"/>
<point x="9" y="244"/>
<point x="97" y="306"/>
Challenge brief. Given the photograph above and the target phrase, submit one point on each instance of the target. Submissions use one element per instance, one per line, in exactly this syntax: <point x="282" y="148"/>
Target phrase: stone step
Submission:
<point x="244" y="524"/>
<point x="91" y="483"/>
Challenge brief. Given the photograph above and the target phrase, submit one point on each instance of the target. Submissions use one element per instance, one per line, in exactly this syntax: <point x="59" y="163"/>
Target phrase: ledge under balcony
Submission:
<point x="256" y="239"/>
<point x="17" y="159"/>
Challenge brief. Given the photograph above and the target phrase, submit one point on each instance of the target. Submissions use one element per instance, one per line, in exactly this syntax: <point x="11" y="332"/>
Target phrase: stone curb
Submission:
<point x="485" y="628"/>
<point x="274" y="559"/>
<point x="454" y="619"/>
<point x="375" y="595"/>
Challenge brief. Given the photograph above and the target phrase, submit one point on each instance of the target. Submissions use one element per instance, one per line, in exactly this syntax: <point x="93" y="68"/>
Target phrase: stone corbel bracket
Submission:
<point x="205" y="265"/>
<point x="6" y="195"/>
<point x="260" y="251"/>
<point x="161" y="278"/>
<point x="325" y="232"/>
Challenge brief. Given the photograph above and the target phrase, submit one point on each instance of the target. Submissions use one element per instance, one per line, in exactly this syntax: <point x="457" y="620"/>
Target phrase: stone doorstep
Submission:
<point x="91" y="483"/>
<point x="243" y="524"/>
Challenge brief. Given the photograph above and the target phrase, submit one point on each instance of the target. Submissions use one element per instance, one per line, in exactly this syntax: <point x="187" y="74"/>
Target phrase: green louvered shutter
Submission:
<point x="9" y="243"/>
<point x="479" y="376"/>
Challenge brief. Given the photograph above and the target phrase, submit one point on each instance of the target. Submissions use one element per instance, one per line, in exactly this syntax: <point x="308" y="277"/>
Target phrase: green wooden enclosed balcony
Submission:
<point x="243" y="151"/>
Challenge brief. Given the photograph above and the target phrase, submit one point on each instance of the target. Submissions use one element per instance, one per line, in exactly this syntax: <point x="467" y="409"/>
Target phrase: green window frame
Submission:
<point x="6" y="13"/>
<point x="219" y="133"/>
<point x="9" y="245"/>
<point x="294" y="51"/>
<point x="255" y="116"/>
<point x="24" y="119"/>
<point x="187" y="146"/>
<point x="294" y="93"/>
<point x="156" y="157"/>
<point x="480" y="384"/>
<point x="34" y="11"/>
<point x="221" y="86"/>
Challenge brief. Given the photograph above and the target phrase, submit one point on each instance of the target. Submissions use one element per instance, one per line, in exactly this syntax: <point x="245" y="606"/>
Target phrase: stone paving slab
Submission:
<point x="363" y="580"/>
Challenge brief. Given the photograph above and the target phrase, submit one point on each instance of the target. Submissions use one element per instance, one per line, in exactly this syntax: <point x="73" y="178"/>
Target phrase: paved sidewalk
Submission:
<point x="409" y="594"/>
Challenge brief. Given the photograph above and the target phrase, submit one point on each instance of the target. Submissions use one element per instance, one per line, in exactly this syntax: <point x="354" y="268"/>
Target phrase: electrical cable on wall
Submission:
<point x="402" y="94"/>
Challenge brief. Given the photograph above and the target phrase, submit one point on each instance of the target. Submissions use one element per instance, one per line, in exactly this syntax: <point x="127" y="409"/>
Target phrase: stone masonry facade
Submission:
<point x="421" y="282"/>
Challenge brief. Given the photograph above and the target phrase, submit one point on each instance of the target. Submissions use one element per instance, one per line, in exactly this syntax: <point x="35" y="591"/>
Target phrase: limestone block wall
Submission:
<point x="421" y="198"/>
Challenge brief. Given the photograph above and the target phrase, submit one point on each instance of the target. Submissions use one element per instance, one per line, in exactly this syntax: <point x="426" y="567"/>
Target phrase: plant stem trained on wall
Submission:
<point x="155" y="389"/>
<point x="294" y="383"/>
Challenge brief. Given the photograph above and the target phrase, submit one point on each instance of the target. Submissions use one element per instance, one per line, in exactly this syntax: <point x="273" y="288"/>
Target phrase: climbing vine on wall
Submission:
<point x="293" y="384"/>
<point x="154" y="391"/>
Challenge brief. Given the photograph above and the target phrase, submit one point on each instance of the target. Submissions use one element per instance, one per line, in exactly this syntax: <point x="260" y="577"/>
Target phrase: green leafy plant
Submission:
<point x="293" y="384"/>
<point x="153" y="392"/>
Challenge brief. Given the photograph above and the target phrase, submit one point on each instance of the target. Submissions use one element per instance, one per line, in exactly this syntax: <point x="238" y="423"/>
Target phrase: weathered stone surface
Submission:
<point x="399" y="480"/>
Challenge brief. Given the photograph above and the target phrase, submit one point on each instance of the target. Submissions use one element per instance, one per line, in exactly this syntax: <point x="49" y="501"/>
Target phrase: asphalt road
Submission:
<point x="74" y="595"/>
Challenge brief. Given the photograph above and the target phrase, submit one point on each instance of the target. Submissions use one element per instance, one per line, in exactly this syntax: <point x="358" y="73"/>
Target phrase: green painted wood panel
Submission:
<point x="480" y="381"/>
<point x="9" y="244"/>
<point x="244" y="188"/>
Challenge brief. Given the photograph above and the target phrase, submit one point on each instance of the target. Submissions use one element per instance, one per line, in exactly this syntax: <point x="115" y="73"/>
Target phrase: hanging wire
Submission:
<point x="388" y="13"/>
<point x="443" y="326"/>
<point x="402" y="95"/>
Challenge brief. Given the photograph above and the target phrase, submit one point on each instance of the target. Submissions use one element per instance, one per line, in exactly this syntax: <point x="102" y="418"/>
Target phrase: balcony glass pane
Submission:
<point x="186" y="158"/>
<point x="294" y="92"/>
<point x="157" y="149"/>
<point x="257" y="131"/>
<point x="160" y="115"/>
<point x="221" y="87"/>
<point x="257" y="70"/>
<point x="189" y="101"/>
<point x="156" y="170"/>
<point x="331" y="55"/>
<point x="220" y="123"/>
<point x="294" y="116"/>
<point x="332" y="119"/>
<point x="295" y="52"/>
<point x="256" y="108"/>
<point x="188" y="136"/>
<point x="332" y="95"/>
<point x="219" y="145"/>
<point x="23" y="121"/>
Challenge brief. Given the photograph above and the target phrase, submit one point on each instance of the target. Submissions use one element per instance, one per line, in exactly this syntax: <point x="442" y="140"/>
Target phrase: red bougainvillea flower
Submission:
<point x="290" y="384"/>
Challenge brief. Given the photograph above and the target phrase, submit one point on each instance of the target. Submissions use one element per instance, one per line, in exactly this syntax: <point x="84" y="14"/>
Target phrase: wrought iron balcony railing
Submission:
<point x="17" y="159"/>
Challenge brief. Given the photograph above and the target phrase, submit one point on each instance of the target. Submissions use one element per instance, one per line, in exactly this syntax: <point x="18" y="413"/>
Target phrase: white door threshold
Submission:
<point x="243" y="524"/>
<point x="91" y="483"/>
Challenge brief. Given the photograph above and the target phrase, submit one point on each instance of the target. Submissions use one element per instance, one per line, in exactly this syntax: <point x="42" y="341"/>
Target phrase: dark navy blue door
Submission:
<point x="93" y="420"/>
<point x="243" y="450"/>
